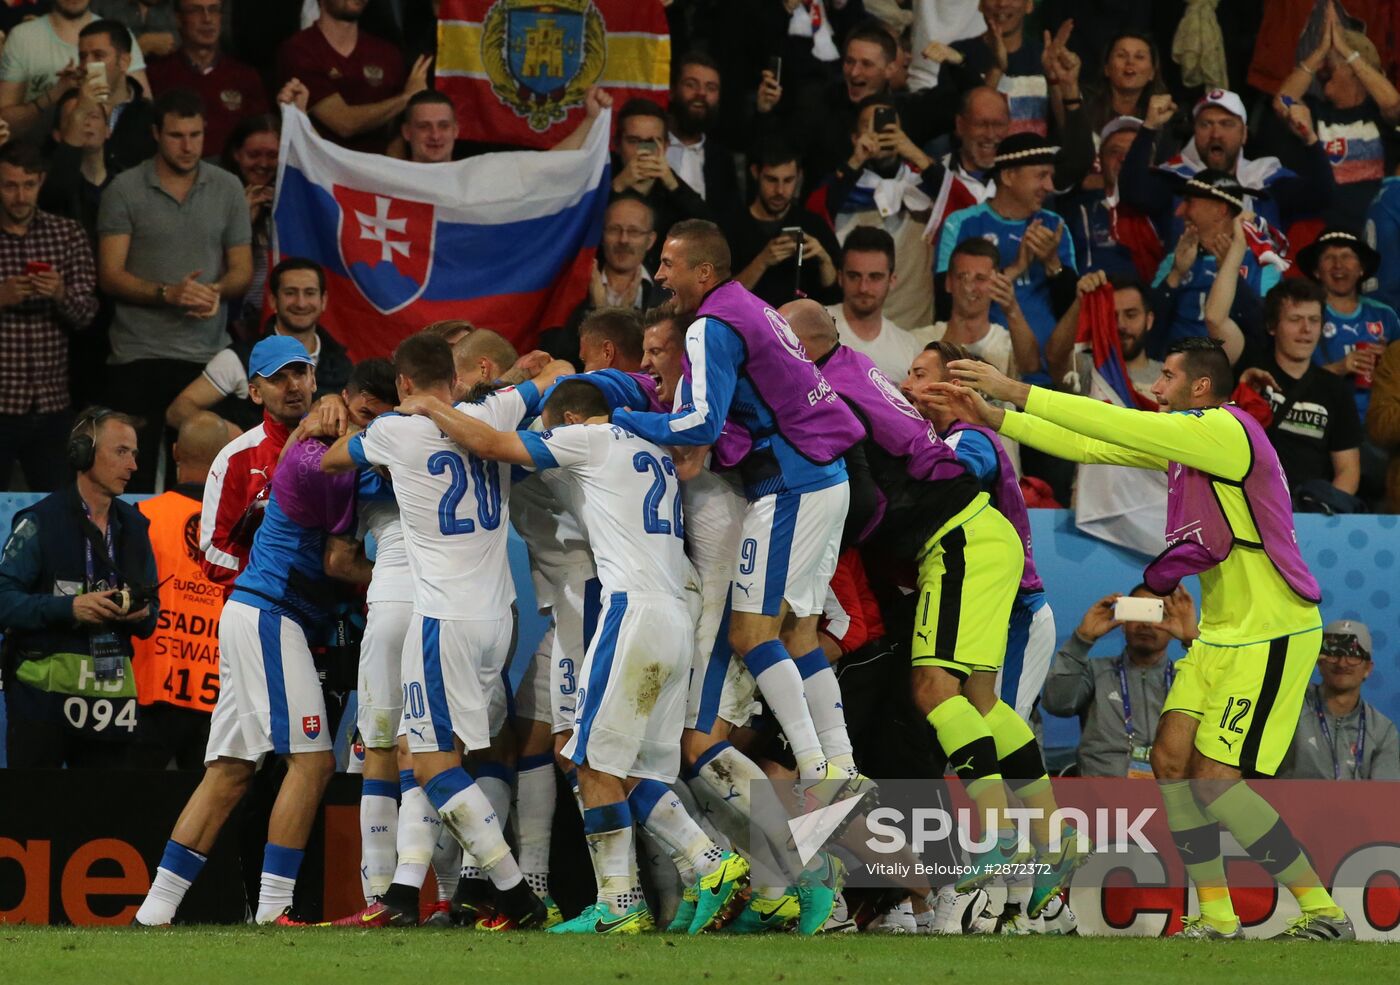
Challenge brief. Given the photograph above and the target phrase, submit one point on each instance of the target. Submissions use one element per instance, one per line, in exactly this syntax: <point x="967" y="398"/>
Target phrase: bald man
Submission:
<point x="177" y="669"/>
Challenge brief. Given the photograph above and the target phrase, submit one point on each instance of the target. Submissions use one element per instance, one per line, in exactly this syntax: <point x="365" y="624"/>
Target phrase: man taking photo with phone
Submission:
<point x="780" y="250"/>
<point x="641" y="167"/>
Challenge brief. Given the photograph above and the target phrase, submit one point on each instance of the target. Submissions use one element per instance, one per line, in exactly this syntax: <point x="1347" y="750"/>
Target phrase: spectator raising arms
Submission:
<point x="1358" y="104"/>
<point x="1132" y="74"/>
<point x="355" y="81"/>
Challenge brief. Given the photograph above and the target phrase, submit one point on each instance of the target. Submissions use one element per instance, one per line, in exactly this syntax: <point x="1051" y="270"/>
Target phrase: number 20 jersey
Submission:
<point x="453" y="506"/>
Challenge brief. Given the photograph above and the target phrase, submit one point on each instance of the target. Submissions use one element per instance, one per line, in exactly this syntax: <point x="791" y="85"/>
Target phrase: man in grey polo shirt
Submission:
<point x="1118" y="700"/>
<point x="173" y="246"/>
<point x="1341" y="736"/>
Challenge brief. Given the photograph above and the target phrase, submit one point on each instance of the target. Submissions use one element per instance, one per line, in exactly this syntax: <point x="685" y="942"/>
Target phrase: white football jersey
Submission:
<point x="392" y="580"/>
<point x="628" y="499"/>
<point x="453" y="506"/>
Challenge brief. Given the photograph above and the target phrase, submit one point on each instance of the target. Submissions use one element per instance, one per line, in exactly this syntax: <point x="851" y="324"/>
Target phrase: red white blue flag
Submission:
<point x="505" y="241"/>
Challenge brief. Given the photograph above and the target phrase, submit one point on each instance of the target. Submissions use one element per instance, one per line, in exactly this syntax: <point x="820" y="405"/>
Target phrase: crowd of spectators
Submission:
<point x="930" y="170"/>
<point x="847" y="148"/>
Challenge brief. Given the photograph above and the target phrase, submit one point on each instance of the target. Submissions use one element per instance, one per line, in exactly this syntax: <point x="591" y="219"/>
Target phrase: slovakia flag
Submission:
<point x="505" y="241"/>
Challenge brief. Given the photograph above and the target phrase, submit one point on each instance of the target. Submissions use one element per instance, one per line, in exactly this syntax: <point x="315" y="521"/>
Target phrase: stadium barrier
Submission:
<point x="92" y="867"/>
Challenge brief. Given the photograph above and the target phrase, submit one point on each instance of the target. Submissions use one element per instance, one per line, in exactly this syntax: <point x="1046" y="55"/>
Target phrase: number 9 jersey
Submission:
<point x="453" y="506"/>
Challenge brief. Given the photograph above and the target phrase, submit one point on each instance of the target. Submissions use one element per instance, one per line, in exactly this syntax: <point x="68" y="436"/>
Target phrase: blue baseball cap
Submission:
<point x="274" y="352"/>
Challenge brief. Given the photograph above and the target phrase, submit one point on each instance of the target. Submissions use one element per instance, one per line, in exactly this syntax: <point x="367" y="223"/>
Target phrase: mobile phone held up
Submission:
<point x="775" y="67"/>
<point x="798" y="238"/>
<point x="37" y="267"/>
<point x="885" y="116"/>
<point x="1132" y="609"/>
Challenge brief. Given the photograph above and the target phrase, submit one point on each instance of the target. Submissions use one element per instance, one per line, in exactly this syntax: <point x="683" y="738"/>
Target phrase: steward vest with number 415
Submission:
<point x="179" y="664"/>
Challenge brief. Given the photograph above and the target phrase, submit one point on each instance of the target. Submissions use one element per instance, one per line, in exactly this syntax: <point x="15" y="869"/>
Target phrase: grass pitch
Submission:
<point x="246" y="956"/>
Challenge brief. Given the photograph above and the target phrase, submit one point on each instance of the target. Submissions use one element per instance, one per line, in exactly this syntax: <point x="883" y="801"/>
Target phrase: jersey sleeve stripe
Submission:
<point x="538" y="450"/>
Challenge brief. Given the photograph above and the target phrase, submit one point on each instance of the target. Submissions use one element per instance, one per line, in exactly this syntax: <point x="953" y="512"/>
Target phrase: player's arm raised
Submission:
<point x="477" y="437"/>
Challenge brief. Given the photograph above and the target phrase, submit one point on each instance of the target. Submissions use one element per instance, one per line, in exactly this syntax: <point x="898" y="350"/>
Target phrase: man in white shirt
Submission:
<point x="40" y="64"/>
<point x="298" y="288"/>
<point x="691" y="149"/>
<point x="975" y="280"/>
<point x="867" y="276"/>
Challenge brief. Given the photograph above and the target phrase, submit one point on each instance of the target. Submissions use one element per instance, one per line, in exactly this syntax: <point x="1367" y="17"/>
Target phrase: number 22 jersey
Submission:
<point x="453" y="506"/>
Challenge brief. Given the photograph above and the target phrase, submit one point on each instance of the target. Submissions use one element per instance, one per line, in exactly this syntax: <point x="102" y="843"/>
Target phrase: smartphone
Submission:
<point x="885" y="116"/>
<point x="37" y="267"/>
<point x="775" y="65"/>
<point x="1133" y="609"/>
<point x="795" y="232"/>
<point x="96" y="70"/>
<point x="649" y="147"/>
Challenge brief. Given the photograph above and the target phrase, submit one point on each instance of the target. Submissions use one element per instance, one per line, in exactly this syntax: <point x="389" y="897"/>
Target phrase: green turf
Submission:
<point x="249" y="956"/>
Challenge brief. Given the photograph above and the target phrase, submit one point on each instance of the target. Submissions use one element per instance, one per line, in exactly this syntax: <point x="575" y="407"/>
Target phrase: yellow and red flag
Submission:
<point x="517" y="70"/>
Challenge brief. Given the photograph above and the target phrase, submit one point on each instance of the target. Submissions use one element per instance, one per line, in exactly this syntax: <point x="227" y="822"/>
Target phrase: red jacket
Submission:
<point x="235" y="494"/>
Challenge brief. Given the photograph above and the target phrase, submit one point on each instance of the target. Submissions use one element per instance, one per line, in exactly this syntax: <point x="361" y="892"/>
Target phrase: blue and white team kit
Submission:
<point x="455" y="517"/>
<point x="270" y="697"/>
<point x="633" y="683"/>
<point x="796" y="507"/>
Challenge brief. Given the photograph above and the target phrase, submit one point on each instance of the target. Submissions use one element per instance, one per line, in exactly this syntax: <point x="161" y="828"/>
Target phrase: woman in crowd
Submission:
<point x="1132" y="76"/>
<point x="251" y="154"/>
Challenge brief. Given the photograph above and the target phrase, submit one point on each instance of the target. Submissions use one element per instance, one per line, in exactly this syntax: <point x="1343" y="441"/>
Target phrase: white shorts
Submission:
<point x="547" y="692"/>
<point x="454" y="681"/>
<point x="788" y="552"/>
<point x="720" y="684"/>
<point x="380" y="686"/>
<point x="1030" y="647"/>
<point x="631" y="697"/>
<point x="532" y="699"/>
<point x="270" y="696"/>
<point x="714" y="517"/>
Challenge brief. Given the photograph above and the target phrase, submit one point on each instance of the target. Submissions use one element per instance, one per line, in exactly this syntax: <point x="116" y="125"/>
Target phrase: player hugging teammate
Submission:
<point x="686" y="527"/>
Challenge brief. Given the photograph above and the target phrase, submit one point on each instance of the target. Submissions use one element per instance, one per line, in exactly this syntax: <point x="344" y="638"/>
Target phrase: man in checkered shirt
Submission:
<point x="47" y="291"/>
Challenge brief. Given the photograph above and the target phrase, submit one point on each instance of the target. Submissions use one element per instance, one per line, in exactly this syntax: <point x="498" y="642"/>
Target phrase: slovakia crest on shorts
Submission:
<point x="311" y="725"/>
<point x="386" y="245"/>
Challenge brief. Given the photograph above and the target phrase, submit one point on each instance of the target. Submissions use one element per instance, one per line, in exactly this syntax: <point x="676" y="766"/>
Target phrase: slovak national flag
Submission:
<point x="505" y="241"/>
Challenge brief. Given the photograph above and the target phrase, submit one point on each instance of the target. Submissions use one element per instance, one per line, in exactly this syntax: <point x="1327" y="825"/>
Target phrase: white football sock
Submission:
<point x="534" y="820"/>
<point x="379" y="810"/>
<point x="828" y="713"/>
<point x="781" y="683"/>
<point x="419" y="827"/>
<point x="657" y="808"/>
<point x="447" y="864"/>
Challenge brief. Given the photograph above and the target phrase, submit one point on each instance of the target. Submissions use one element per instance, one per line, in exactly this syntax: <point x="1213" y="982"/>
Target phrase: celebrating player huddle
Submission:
<point x="686" y="550"/>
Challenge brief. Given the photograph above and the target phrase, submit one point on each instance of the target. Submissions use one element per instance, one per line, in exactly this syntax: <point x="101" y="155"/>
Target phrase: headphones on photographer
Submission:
<point x="82" y="443"/>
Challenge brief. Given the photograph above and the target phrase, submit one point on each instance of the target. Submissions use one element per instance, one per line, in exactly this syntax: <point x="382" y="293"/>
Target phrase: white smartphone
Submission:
<point x="96" y="70"/>
<point x="1133" y="609"/>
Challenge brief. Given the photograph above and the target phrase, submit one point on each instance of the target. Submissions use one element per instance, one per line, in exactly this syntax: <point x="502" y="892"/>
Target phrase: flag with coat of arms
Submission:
<point x="517" y="70"/>
<point x="506" y="241"/>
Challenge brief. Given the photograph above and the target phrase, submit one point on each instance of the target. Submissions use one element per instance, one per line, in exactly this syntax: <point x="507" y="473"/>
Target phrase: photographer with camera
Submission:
<point x="77" y="582"/>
